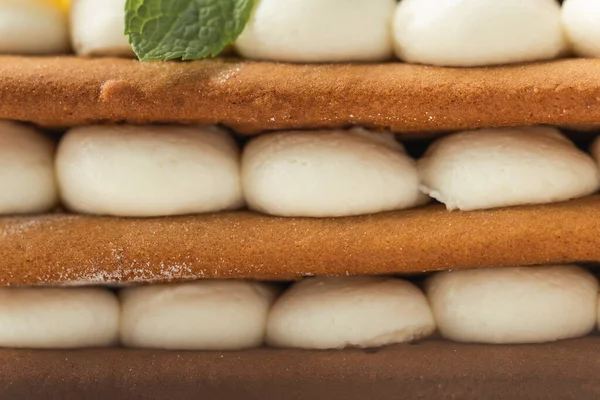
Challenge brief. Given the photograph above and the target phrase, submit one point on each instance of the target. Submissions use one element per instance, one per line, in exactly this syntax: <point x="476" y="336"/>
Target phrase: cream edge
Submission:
<point x="315" y="38"/>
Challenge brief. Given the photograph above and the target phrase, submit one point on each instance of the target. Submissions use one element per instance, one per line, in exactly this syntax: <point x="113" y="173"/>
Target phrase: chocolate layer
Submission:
<point x="254" y="96"/>
<point x="75" y="249"/>
<point x="430" y="370"/>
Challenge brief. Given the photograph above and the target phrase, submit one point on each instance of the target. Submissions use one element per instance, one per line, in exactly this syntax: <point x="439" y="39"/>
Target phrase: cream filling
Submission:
<point x="33" y="27"/>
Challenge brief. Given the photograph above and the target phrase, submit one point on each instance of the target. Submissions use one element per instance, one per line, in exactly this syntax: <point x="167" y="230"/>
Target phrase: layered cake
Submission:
<point x="299" y="199"/>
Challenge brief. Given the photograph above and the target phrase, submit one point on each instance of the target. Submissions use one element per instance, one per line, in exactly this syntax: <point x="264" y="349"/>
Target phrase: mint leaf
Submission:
<point x="184" y="29"/>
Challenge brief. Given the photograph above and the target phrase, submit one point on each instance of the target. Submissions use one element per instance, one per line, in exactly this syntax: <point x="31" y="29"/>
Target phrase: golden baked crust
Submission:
<point x="253" y="96"/>
<point x="432" y="370"/>
<point x="72" y="249"/>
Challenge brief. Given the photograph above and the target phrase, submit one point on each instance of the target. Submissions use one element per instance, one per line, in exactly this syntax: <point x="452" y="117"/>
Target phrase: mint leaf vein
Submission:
<point x="184" y="29"/>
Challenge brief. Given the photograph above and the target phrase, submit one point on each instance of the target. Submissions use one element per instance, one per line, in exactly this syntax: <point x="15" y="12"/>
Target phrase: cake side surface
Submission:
<point x="251" y="97"/>
<point x="80" y="250"/>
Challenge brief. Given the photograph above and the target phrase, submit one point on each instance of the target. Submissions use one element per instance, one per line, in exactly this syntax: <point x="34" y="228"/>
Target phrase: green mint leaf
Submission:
<point x="184" y="29"/>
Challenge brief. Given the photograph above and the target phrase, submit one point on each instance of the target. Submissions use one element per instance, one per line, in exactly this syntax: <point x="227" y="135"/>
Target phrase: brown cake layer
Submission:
<point x="430" y="370"/>
<point x="255" y="96"/>
<point x="63" y="249"/>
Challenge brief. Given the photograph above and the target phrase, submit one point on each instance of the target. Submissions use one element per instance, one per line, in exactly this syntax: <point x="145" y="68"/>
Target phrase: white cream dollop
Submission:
<point x="333" y="313"/>
<point x="318" y="31"/>
<point x="33" y="27"/>
<point x="203" y="315"/>
<point x="26" y="170"/>
<point x="581" y="19"/>
<point x="58" y="318"/>
<point x="328" y="174"/>
<point x="469" y="33"/>
<point x="148" y="171"/>
<point x="506" y="167"/>
<point x="98" y="28"/>
<point x="514" y="305"/>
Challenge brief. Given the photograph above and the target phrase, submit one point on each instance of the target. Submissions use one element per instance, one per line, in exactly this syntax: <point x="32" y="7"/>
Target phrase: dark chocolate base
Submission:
<point x="429" y="370"/>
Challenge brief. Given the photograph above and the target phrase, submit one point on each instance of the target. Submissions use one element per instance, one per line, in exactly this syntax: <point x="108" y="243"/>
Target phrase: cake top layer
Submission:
<point x="251" y="97"/>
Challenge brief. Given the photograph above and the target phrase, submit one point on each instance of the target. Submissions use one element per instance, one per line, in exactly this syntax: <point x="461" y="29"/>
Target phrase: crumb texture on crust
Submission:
<point x="430" y="370"/>
<point x="255" y="96"/>
<point x="77" y="250"/>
